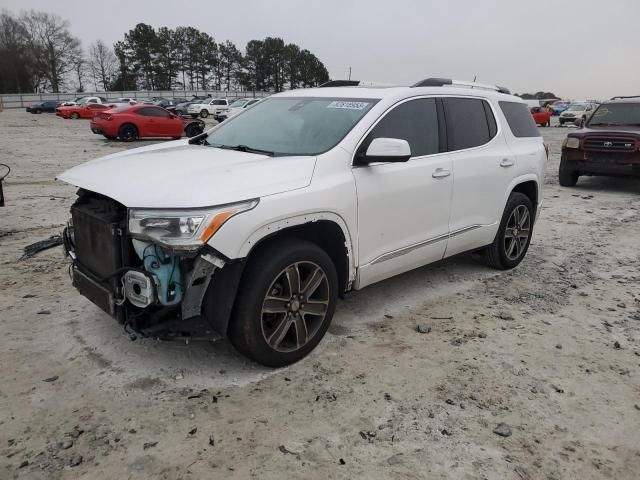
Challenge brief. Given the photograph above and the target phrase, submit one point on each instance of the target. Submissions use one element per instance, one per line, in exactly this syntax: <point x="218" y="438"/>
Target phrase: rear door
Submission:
<point x="483" y="167"/>
<point x="403" y="208"/>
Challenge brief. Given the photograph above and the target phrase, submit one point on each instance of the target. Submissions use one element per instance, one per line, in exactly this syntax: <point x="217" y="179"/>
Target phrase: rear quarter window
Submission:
<point x="519" y="119"/>
<point x="470" y="122"/>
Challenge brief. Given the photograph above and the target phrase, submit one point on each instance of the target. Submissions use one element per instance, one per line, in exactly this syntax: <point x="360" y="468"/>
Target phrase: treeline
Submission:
<point x="38" y="53"/>
<point x="537" y="96"/>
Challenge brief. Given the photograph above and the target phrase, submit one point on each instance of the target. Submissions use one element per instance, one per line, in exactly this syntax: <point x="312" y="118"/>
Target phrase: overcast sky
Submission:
<point x="576" y="48"/>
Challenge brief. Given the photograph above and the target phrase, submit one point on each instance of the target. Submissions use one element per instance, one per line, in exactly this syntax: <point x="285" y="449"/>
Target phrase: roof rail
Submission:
<point x="621" y="98"/>
<point x="441" y="82"/>
<point x="340" y="83"/>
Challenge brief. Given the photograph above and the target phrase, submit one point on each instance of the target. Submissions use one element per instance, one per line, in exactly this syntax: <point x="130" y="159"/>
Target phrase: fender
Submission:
<point x="274" y="227"/>
<point x="528" y="177"/>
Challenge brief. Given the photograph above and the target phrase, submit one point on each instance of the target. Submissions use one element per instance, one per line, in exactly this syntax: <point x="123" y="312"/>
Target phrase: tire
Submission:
<point x="567" y="175"/>
<point x="274" y="339"/>
<point x="37" y="110"/>
<point x="514" y="234"/>
<point x="128" y="133"/>
<point x="204" y="113"/>
<point x="549" y="123"/>
<point x="192" y="130"/>
<point x="75" y="116"/>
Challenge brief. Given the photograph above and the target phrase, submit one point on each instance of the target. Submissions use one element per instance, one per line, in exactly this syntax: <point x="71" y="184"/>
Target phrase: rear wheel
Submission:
<point x="567" y="174"/>
<point x="75" y="115"/>
<point x="548" y="123"/>
<point x="204" y="113"/>
<point x="37" y="110"/>
<point x="285" y="302"/>
<point x="514" y="234"/>
<point x="128" y="133"/>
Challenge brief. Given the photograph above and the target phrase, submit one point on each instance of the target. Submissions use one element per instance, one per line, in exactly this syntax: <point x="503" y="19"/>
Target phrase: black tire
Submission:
<point x="75" y="116"/>
<point x="501" y="254"/>
<point x="128" y="133"/>
<point x="204" y="113"/>
<point x="192" y="130"/>
<point x="253" y="331"/>
<point x="37" y="110"/>
<point x="567" y="175"/>
<point x="549" y="123"/>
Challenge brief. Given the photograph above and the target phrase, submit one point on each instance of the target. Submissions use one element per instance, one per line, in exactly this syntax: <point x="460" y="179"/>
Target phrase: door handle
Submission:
<point x="440" y="173"/>
<point x="506" y="163"/>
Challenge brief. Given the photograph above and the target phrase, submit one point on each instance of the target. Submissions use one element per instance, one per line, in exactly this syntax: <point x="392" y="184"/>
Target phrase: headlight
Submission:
<point x="571" y="142"/>
<point x="183" y="229"/>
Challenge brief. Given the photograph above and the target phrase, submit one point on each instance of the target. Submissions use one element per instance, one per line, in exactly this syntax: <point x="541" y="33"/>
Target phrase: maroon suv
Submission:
<point x="607" y="144"/>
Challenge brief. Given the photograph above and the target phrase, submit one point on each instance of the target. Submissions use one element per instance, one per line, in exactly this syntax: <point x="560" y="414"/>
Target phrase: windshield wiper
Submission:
<point x="246" y="148"/>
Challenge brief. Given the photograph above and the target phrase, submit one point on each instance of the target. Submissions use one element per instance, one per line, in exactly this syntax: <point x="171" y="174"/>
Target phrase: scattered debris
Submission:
<point x="212" y="440"/>
<point x="395" y="459"/>
<point x="505" y="316"/>
<point x="341" y="461"/>
<point x="617" y="345"/>
<point x="502" y="429"/>
<point x="30" y="250"/>
<point x="44" y="312"/>
<point x="193" y="430"/>
<point x="75" y="460"/>
<point x="66" y="444"/>
<point x="148" y="445"/>
<point x="557" y="389"/>
<point x="51" y="379"/>
<point x="422" y="328"/>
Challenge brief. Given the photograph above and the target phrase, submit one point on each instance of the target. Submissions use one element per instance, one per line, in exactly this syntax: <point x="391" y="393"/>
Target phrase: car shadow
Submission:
<point x="624" y="185"/>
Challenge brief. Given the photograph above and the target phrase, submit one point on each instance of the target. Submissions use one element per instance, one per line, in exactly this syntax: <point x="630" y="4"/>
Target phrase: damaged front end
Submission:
<point x="152" y="270"/>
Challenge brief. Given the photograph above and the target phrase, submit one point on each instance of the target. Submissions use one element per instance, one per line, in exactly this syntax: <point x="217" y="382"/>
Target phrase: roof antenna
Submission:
<point x="474" y="79"/>
<point x="349" y="72"/>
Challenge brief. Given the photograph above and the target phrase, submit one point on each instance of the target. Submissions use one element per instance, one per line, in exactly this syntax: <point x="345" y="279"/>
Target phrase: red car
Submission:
<point x="132" y="122"/>
<point x="542" y="116"/>
<point x="87" y="110"/>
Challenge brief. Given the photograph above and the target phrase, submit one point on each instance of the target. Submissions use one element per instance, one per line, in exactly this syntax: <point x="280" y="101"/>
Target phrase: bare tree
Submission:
<point x="102" y="63"/>
<point x="49" y="35"/>
<point x="80" y="70"/>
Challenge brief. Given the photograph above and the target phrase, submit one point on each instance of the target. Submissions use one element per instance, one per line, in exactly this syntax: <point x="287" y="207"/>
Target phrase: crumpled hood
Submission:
<point x="179" y="175"/>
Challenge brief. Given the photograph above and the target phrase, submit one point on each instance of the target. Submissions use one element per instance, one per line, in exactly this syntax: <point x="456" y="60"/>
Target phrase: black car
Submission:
<point x="48" y="106"/>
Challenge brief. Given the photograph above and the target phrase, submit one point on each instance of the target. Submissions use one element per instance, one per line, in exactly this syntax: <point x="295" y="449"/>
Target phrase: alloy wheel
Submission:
<point x="517" y="232"/>
<point x="295" y="306"/>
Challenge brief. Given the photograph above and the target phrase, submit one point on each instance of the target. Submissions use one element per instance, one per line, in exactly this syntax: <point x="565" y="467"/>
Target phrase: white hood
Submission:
<point x="179" y="175"/>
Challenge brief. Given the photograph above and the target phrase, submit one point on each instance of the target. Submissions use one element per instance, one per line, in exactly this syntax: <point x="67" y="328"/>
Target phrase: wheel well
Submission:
<point x="530" y="189"/>
<point x="327" y="235"/>
<point x="127" y="125"/>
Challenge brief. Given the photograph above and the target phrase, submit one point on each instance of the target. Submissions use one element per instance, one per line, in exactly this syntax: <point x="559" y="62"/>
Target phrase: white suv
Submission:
<point x="214" y="106"/>
<point x="253" y="229"/>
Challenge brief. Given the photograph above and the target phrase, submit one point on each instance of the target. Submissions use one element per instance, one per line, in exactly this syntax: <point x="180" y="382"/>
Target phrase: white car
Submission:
<point x="577" y="111"/>
<point x="253" y="229"/>
<point x="123" y="102"/>
<point x="84" y="100"/>
<point x="237" y="106"/>
<point x="214" y="106"/>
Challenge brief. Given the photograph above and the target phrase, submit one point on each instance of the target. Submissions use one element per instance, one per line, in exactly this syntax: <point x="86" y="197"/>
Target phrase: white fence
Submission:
<point x="16" y="100"/>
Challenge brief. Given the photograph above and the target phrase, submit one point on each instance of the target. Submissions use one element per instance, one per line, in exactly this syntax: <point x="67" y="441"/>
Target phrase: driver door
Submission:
<point x="403" y="208"/>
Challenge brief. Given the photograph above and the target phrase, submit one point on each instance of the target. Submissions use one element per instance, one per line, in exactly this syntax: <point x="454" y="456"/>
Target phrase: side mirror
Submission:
<point x="386" y="150"/>
<point x="579" y="122"/>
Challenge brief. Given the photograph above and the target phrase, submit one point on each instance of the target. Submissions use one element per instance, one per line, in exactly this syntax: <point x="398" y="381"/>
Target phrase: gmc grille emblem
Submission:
<point x="608" y="144"/>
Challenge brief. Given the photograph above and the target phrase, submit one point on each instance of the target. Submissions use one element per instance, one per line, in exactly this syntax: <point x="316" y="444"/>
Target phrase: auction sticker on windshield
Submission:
<point x="349" y="105"/>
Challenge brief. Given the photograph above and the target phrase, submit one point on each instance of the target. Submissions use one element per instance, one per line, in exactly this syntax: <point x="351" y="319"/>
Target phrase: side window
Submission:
<point x="219" y="102"/>
<point x="415" y="121"/>
<point x="468" y="123"/>
<point x="152" y="112"/>
<point x="519" y="119"/>
<point x="92" y="100"/>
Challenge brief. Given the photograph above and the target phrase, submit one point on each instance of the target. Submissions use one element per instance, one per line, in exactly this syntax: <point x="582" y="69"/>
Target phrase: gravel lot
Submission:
<point x="551" y="350"/>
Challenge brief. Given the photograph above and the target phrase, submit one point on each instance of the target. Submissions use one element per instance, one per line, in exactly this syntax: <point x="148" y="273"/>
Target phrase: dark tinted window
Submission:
<point x="152" y="112"/>
<point x="219" y="102"/>
<point x="467" y="124"/>
<point x="415" y="121"/>
<point x="519" y="119"/>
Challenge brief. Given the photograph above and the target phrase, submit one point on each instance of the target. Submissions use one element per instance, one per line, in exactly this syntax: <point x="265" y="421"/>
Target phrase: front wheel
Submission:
<point x="285" y="302"/>
<point x="193" y="130"/>
<point x="204" y="113"/>
<point x="567" y="175"/>
<point x="75" y="116"/>
<point x="514" y="234"/>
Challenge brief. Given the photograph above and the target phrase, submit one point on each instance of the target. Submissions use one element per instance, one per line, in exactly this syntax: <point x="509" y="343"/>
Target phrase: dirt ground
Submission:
<point x="551" y="350"/>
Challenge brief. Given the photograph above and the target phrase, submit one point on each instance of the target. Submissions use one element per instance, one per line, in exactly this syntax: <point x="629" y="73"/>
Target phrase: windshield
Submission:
<point x="238" y="103"/>
<point x="576" y="108"/>
<point x="292" y="125"/>
<point x="616" y="114"/>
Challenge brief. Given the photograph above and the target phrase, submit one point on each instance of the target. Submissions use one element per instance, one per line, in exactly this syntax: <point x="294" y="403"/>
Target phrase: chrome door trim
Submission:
<point x="404" y="250"/>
